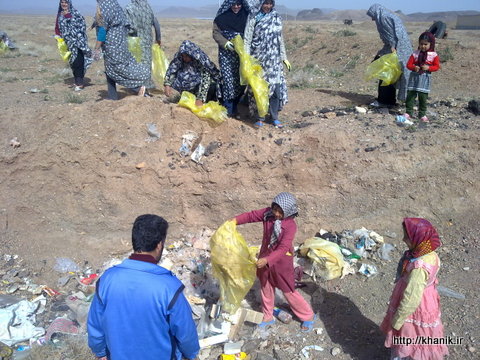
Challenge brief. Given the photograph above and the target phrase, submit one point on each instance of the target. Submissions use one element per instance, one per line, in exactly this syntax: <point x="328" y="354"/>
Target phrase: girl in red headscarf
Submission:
<point x="422" y="63"/>
<point x="412" y="323"/>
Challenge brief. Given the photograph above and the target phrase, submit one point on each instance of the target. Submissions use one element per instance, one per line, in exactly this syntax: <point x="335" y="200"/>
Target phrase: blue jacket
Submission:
<point x="140" y="312"/>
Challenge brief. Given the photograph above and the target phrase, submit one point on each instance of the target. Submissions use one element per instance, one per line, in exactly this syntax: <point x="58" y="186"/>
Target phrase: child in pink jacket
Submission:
<point x="275" y="261"/>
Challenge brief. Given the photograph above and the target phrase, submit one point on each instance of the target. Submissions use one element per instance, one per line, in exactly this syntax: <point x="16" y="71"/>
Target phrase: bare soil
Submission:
<point x="72" y="188"/>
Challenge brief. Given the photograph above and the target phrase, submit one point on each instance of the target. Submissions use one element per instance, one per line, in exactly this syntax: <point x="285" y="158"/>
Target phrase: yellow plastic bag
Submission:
<point x="134" y="47"/>
<point x="233" y="265"/>
<point x="327" y="256"/>
<point x="3" y="47"/>
<point x="211" y="111"/>
<point x="251" y="73"/>
<point x="386" y="68"/>
<point x="159" y="64"/>
<point x="63" y="49"/>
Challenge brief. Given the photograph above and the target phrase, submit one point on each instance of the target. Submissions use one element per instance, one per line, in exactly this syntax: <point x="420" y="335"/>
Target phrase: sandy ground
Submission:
<point x="72" y="187"/>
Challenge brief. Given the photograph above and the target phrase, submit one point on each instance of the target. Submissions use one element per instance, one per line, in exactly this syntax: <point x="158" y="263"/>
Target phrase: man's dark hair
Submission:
<point x="148" y="231"/>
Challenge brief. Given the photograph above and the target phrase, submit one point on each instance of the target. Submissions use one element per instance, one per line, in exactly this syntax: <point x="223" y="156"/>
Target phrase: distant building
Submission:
<point x="468" y="22"/>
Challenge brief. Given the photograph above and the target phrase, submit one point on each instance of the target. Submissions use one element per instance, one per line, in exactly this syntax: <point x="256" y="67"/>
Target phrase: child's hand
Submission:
<point x="425" y="67"/>
<point x="417" y="68"/>
<point x="261" y="263"/>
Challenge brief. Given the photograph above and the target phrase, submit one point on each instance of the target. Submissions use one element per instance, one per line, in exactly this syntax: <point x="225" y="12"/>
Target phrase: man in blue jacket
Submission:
<point x="139" y="310"/>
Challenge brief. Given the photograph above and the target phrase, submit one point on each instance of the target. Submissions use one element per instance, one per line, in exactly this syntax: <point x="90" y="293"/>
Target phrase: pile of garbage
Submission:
<point x="218" y="271"/>
<point x="335" y="255"/>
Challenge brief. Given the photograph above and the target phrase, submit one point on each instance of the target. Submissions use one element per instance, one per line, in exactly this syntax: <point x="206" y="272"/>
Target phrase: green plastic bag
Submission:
<point x="159" y="64"/>
<point x="326" y="255"/>
<point x="233" y="265"/>
<point x="212" y="111"/>
<point x="251" y="73"/>
<point x="386" y="68"/>
<point x="63" y="49"/>
<point x="134" y="47"/>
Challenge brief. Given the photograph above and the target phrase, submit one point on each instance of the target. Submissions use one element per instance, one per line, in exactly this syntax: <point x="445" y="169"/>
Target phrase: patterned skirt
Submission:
<point x="419" y="82"/>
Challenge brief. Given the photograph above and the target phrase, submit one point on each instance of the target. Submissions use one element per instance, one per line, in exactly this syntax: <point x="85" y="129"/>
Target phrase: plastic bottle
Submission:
<point x="442" y="290"/>
<point x="281" y="315"/>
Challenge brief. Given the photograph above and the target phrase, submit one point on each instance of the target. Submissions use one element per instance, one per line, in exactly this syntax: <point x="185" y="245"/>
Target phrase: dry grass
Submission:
<point x="72" y="348"/>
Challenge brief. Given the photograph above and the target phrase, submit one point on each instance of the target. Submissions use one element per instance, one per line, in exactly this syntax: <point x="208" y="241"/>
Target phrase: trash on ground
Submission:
<point x="152" y="132"/>
<point x="442" y="290"/>
<point x="198" y="153"/>
<point x="65" y="265"/>
<point x="188" y="140"/>
<point x="306" y="350"/>
<point x="401" y="120"/>
<point x="368" y="270"/>
<point x="326" y="255"/>
<point x="384" y="252"/>
<point x="17" y="322"/>
<point x="15" y="143"/>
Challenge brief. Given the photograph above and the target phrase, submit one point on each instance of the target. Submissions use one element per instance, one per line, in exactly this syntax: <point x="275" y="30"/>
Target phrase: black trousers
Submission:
<point x="78" y="68"/>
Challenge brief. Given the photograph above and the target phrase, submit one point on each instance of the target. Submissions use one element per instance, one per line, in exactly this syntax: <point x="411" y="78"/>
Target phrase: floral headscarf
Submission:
<point x="424" y="238"/>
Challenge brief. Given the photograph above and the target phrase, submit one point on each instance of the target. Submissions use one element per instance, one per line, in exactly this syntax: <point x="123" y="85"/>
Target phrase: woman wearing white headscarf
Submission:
<point x="141" y="19"/>
<point x="264" y="41"/>
<point x="395" y="39"/>
<point x="71" y="26"/>
<point x="120" y="65"/>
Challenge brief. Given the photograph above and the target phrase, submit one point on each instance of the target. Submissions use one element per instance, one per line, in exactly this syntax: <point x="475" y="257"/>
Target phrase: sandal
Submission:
<point x="277" y="124"/>
<point x="258" y="124"/>
<point x="266" y="324"/>
<point x="307" y="326"/>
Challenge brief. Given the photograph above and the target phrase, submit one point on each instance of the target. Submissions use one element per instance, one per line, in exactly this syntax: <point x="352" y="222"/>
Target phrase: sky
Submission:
<point x="407" y="6"/>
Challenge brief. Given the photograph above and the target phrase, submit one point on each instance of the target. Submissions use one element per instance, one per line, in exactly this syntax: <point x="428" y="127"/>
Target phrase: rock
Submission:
<point x="279" y="141"/>
<point x="330" y="115"/>
<point x="360" y="110"/>
<point x="308" y="113"/>
<point x="471" y="349"/>
<point x="371" y="148"/>
<point x="474" y="106"/>
<point x="140" y="165"/>
<point x="335" y="351"/>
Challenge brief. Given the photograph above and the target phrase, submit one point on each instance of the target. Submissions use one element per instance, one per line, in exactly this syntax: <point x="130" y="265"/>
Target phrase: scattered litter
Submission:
<point x="238" y="356"/>
<point x="17" y="322"/>
<point x="152" y="132"/>
<point x="401" y="120"/>
<point x="442" y="290"/>
<point x="466" y="268"/>
<point x="34" y="91"/>
<point x="384" y="252"/>
<point x="335" y="351"/>
<point x="61" y="325"/>
<point x="368" y="270"/>
<point x="326" y="255"/>
<point x="15" y="143"/>
<point x="306" y="350"/>
<point x="232" y="348"/>
<point x="65" y="265"/>
<point x="140" y="165"/>
<point x="198" y="153"/>
<point x="188" y="140"/>
<point x="89" y="280"/>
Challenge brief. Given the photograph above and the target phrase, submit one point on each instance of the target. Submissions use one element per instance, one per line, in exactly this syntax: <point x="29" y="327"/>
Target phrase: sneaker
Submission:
<point x="78" y="88"/>
<point x="424" y="119"/>
<point x="375" y="104"/>
<point x="407" y="116"/>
